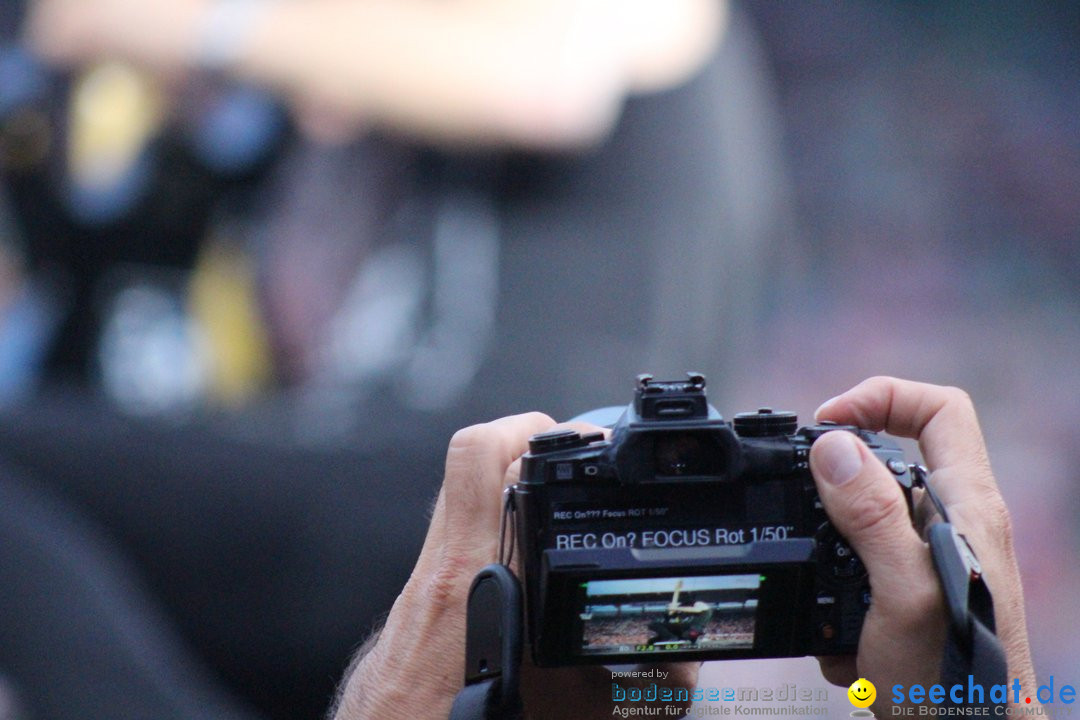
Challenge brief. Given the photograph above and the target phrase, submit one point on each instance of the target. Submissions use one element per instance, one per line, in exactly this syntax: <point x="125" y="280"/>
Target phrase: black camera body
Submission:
<point x="686" y="537"/>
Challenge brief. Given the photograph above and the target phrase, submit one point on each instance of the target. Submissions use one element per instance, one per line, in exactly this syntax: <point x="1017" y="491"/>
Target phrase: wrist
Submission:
<point x="416" y="667"/>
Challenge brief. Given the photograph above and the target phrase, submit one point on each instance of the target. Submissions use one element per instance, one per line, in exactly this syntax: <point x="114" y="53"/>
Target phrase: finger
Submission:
<point x="867" y="507"/>
<point x="942" y="419"/>
<point x="463" y="534"/>
<point x="476" y="465"/>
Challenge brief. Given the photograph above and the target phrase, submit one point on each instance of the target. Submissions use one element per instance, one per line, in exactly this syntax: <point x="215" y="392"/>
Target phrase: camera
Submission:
<point x="685" y="537"/>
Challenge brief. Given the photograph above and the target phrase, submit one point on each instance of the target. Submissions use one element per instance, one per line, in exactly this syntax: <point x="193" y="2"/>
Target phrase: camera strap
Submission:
<point x="493" y="642"/>
<point x="973" y="653"/>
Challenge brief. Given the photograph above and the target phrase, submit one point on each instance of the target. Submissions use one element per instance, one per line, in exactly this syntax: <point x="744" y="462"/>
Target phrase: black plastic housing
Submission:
<point x="691" y="520"/>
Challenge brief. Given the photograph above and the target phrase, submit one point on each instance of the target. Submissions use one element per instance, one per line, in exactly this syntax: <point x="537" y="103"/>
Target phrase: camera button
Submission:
<point x="837" y="562"/>
<point x="553" y="440"/>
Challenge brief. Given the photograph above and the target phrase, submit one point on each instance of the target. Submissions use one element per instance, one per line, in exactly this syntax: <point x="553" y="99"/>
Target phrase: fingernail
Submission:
<point x="824" y="405"/>
<point x="839" y="459"/>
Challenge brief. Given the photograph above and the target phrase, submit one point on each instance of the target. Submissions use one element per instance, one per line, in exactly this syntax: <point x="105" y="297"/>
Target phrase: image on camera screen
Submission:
<point x="691" y="614"/>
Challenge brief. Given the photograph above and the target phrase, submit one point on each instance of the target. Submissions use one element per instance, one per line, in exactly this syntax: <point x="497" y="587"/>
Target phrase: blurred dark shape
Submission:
<point x="234" y="129"/>
<point x="95" y="626"/>
<point x="85" y="202"/>
<point x="270" y="563"/>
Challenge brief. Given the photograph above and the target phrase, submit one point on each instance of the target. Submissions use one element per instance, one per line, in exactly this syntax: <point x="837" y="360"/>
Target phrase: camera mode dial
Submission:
<point x="837" y="562"/>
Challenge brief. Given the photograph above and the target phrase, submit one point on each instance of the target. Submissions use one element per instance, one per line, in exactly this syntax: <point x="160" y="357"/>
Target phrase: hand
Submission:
<point x="542" y="74"/>
<point x="904" y="632"/>
<point x="155" y="33"/>
<point x="418" y="664"/>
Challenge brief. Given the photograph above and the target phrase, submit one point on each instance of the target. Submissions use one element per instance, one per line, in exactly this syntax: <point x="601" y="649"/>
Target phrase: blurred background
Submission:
<point x="251" y="280"/>
<point x="934" y="155"/>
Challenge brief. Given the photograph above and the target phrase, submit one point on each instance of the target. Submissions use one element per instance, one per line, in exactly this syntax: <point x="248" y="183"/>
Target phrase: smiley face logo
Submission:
<point x="862" y="693"/>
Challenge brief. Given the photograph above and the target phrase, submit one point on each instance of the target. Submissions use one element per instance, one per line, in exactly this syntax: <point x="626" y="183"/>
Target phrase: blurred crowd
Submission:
<point x="241" y="310"/>
<point x="934" y="151"/>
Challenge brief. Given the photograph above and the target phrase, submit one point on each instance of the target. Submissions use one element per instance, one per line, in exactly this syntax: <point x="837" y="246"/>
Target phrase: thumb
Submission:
<point x="867" y="507"/>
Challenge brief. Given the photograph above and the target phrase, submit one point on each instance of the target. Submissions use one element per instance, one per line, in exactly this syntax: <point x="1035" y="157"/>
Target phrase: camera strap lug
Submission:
<point x="493" y="643"/>
<point x="971" y="647"/>
<point x="507" y="528"/>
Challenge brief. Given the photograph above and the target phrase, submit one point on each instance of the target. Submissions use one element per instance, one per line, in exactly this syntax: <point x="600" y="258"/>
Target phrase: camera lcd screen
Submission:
<point x="668" y="614"/>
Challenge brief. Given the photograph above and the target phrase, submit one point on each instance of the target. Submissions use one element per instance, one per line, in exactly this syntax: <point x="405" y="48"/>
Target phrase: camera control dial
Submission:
<point x="766" y="422"/>
<point x="837" y="562"/>
<point x="561" y="439"/>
